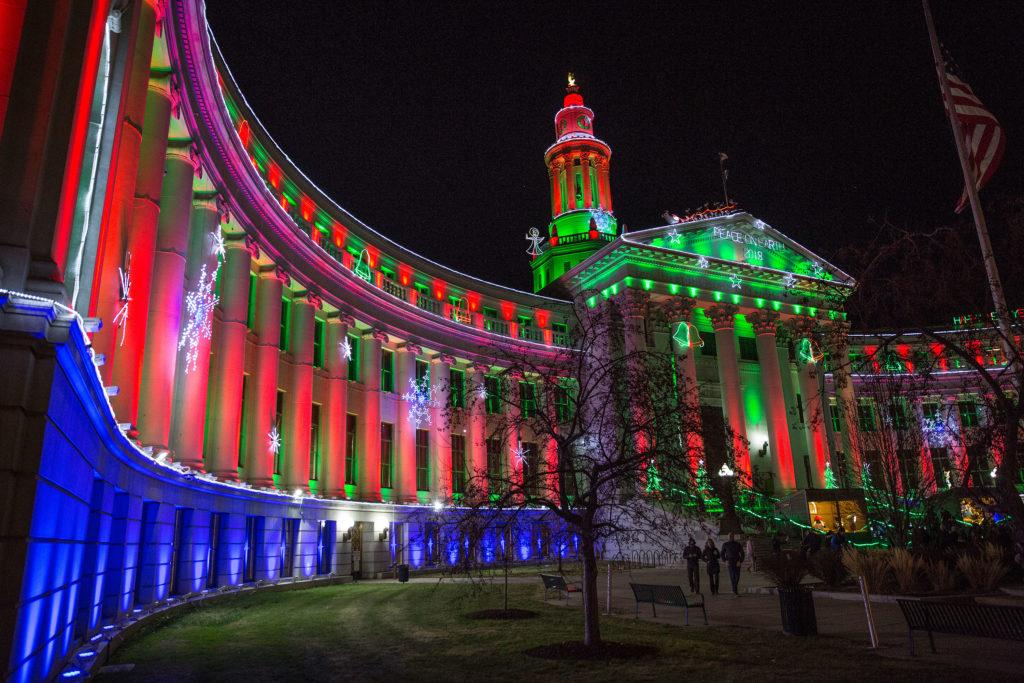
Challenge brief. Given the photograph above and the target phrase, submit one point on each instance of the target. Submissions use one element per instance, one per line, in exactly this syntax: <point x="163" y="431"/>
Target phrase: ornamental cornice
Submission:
<point x="411" y="347"/>
<point x="678" y="308"/>
<point x="378" y="335"/>
<point x="765" y="323"/>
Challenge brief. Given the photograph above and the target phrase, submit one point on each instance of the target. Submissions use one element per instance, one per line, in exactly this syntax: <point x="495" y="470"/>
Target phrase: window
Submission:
<point x="386" y="454"/>
<point x="325" y="546"/>
<point x="493" y="403"/>
<point x="422" y="460"/>
<point x="532" y="474"/>
<point x="387" y="370"/>
<point x="243" y="421"/>
<point x="527" y="399"/>
<point x="865" y="417"/>
<point x="910" y="468"/>
<point x="833" y="413"/>
<point x="213" y="550"/>
<point x="278" y="413"/>
<point x="563" y="409"/>
<point x="748" y="348"/>
<point x="289" y="540"/>
<point x="422" y="369"/>
<point x="318" y="343"/>
<point x="353" y="363"/>
<point x="458" y="463"/>
<point x="458" y="389"/>
<point x="494" y="462"/>
<point x="871" y="469"/>
<point x="898" y="414"/>
<point x="930" y="412"/>
<point x="560" y="328"/>
<point x="350" y="449"/>
<point x="978" y="465"/>
<point x="250" y="313"/>
<point x="490" y="312"/>
<point x="800" y="409"/>
<point x="286" y="309"/>
<point x="710" y="347"/>
<point x="943" y="467"/>
<point x="314" y="442"/>
<point x="968" y="413"/>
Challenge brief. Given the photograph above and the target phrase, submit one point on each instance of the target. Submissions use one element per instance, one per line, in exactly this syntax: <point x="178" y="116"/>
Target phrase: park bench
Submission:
<point x="555" y="582"/>
<point x="962" y="619"/>
<point x="672" y="596"/>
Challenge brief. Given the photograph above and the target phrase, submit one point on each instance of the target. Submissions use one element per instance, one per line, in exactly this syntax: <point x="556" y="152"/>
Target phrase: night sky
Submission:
<point x="429" y="123"/>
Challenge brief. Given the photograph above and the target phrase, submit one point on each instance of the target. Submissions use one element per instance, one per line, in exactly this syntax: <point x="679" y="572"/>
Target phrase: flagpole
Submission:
<point x="970" y="183"/>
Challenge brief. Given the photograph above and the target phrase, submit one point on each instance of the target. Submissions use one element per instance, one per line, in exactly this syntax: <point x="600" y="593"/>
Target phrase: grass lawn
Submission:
<point x="390" y="631"/>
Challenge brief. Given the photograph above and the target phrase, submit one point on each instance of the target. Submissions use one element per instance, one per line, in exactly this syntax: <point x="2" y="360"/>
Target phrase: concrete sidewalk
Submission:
<point x="756" y="608"/>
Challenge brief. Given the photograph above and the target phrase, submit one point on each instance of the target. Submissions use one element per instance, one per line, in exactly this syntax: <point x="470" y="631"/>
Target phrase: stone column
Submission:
<point x="606" y="191"/>
<point x="259" y="458"/>
<point x="633" y="306"/>
<point x="298" y="406"/>
<point x="192" y="378"/>
<point x="723" y="319"/>
<point x="368" y="437"/>
<point x="553" y="179"/>
<point x="928" y="474"/>
<point x="141" y="246"/>
<point x="765" y="323"/>
<point x="814" y="413"/>
<point x="441" y="436"/>
<point x="957" y="440"/>
<point x="405" y="449"/>
<point x="124" y="168"/>
<point x="227" y="374"/>
<point x="477" y="441"/>
<point x="512" y="434"/>
<point x="333" y="438"/>
<point x="585" y="170"/>
<point x="156" y="396"/>
<point x="677" y="311"/>
<point x="570" y="183"/>
<point x="836" y="336"/>
<point x="551" y="445"/>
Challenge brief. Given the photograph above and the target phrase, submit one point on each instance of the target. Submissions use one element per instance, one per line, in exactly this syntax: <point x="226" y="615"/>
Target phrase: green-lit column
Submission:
<point x="585" y="170"/>
<point x="405" y="451"/>
<point x="262" y="399"/>
<point x="723" y="319"/>
<point x="156" y="395"/>
<point x="802" y="328"/>
<point x="678" y="311"/>
<point x="441" y="438"/>
<point x="633" y="304"/>
<point x="368" y="435"/>
<point x="332" y="435"/>
<point x="227" y="371"/>
<point x="836" y="334"/>
<point x="476" y="397"/>
<point x="298" y="405"/>
<point x="765" y="324"/>
<point x="513" y="443"/>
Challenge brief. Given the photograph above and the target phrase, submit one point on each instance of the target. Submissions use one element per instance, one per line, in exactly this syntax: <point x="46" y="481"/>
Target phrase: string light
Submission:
<point x="703" y="262"/>
<point x="726" y="471"/>
<point x="345" y="348"/>
<point x="673" y="236"/>
<point x="789" y="281"/>
<point x="687" y="335"/>
<point x="735" y="281"/>
<point x="534" y="238"/>
<point x="199" y="305"/>
<point x="421" y="399"/>
<point x="219" y="250"/>
<point x="124" y="296"/>
<point x="274" y="440"/>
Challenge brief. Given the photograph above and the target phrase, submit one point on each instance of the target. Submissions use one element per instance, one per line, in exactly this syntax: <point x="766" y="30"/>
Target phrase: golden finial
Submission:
<point x="572" y="79"/>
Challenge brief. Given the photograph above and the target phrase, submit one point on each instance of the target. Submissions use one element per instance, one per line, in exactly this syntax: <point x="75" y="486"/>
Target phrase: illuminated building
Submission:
<point x="215" y="375"/>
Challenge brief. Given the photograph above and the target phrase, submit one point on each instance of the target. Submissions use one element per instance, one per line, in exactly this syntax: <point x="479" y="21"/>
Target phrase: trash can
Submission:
<point x="403" y="573"/>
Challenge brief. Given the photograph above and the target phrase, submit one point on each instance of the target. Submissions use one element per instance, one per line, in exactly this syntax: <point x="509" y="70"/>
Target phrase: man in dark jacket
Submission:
<point x="811" y="544"/>
<point x="732" y="553"/>
<point x="692" y="554"/>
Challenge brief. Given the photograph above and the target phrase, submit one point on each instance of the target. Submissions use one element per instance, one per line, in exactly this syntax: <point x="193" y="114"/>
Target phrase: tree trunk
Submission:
<point x="591" y="610"/>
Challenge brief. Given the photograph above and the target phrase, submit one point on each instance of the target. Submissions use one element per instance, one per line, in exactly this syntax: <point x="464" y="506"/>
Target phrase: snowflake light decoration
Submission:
<point x="124" y="295"/>
<point x="199" y="304"/>
<point x="421" y="397"/>
<point x="789" y="281"/>
<point x="219" y="250"/>
<point x="481" y="392"/>
<point x="274" y="440"/>
<point x="345" y="349"/>
<point x="602" y="219"/>
<point x="534" y="238"/>
<point x="519" y="453"/>
<point x="735" y="282"/>
<point x="703" y="262"/>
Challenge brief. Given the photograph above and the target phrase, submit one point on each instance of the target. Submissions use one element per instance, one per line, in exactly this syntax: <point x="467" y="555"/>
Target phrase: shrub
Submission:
<point x="829" y="567"/>
<point x="873" y="565"/>
<point x="940" y="575"/>
<point x="786" y="569"/>
<point x="906" y="569"/>
<point x="982" y="574"/>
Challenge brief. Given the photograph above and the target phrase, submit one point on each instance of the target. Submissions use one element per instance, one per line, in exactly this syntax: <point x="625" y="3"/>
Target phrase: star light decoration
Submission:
<point x="199" y="304"/>
<point x="703" y="262"/>
<point x="274" y="440"/>
<point x="735" y="282"/>
<point x="124" y="294"/>
<point x="817" y="270"/>
<point x="421" y="399"/>
<point x="789" y="281"/>
<point x="673" y="236"/>
<point x="345" y="349"/>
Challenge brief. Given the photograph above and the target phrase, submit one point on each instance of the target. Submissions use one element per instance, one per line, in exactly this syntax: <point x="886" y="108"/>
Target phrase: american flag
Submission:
<point x="982" y="133"/>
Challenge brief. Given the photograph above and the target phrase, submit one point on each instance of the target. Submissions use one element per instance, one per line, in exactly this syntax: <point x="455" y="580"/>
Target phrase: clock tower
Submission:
<point x="581" y="200"/>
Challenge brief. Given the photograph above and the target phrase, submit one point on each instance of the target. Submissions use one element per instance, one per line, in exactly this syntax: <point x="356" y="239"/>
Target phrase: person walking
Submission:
<point x="691" y="553"/>
<point x="811" y="543"/>
<point x="732" y="553"/>
<point x="839" y="540"/>
<point x="711" y="556"/>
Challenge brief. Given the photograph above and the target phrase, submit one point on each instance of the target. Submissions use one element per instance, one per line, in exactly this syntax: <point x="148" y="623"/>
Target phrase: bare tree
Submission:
<point x="596" y="434"/>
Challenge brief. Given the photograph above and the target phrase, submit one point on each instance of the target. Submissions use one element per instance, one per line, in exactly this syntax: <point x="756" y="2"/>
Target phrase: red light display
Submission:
<point x="508" y="310"/>
<point x="308" y="209"/>
<point x="473" y="299"/>
<point x="541" y="317"/>
<point x="404" y="274"/>
<point x="244" y="133"/>
<point x="439" y="288"/>
<point x="274" y="175"/>
<point x="372" y="255"/>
